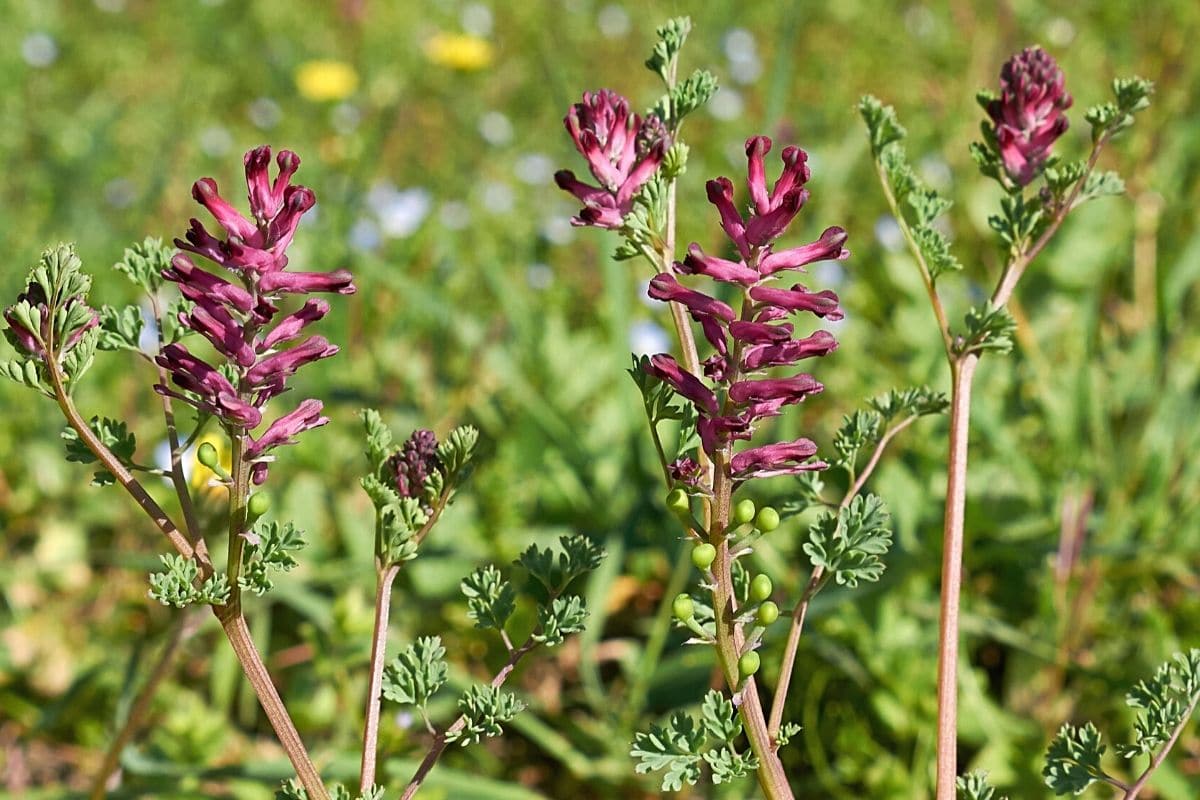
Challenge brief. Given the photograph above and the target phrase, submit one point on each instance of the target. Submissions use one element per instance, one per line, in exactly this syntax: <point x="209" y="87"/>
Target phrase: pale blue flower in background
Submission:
<point x="497" y="197"/>
<point x="39" y="49"/>
<point x="558" y="230"/>
<point x="888" y="233"/>
<point x="215" y="141"/>
<point x="647" y="338"/>
<point x="726" y="104"/>
<point x="742" y="51"/>
<point x="539" y="276"/>
<point x="148" y="340"/>
<point x="400" y="212"/>
<point x="364" y="235"/>
<point x="264" y="113"/>
<point x="476" y="19"/>
<point x="535" y="169"/>
<point x="454" y="215"/>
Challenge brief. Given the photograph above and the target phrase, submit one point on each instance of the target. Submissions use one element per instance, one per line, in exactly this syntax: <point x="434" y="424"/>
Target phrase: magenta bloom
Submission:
<point x="1028" y="115"/>
<point x="740" y="394"/>
<point x="238" y="316"/>
<point x="622" y="152"/>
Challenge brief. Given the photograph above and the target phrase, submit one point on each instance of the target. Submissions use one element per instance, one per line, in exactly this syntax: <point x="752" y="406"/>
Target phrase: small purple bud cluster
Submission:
<point x="622" y="152"/>
<point x="684" y="471"/>
<point x="413" y="463"/>
<point x="236" y="316"/>
<point x="1028" y="115"/>
<point x="749" y="342"/>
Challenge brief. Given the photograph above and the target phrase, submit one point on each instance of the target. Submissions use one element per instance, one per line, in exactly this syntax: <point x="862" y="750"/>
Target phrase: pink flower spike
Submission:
<point x="831" y="245"/>
<point x="1028" y="117"/>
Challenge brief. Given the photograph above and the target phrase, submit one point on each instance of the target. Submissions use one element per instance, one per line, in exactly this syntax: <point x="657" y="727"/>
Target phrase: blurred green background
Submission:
<point x="430" y="133"/>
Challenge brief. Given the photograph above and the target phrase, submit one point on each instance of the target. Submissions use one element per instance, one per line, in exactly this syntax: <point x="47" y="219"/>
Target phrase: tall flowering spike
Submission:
<point x="1028" y="115"/>
<point x="761" y="337"/>
<point x="622" y="152"/>
<point x="413" y="463"/>
<point x="238" y="317"/>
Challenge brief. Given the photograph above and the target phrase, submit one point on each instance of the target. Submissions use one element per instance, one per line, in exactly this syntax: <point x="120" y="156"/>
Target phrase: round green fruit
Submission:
<point x="703" y="556"/>
<point x="206" y="454"/>
<point x="760" y="588"/>
<point x="258" y="504"/>
<point x="743" y="512"/>
<point x="767" y="613"/>
<point x="679" y="503"/>
<point x="767" y="519"/>
<point x="748" y="664"/>
<point x="683" y="607"/>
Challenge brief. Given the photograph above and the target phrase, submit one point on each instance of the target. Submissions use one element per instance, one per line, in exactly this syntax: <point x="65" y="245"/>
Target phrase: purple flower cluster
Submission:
<point x="748" y="342"/>
<point x="1028" y="115"/>
<point x="238" y="317"/>
<point x="622" y="152"/>
<point x="413" y="463"/>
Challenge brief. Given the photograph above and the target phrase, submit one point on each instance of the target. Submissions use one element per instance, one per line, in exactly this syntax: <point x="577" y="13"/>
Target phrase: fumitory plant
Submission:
<point x="226" y="346"/>
<point x="1039" y="189"/>
<point x="722" y="401"/>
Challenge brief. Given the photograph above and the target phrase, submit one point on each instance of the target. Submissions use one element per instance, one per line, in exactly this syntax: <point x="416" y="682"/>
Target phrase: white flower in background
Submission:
<point x="558" y="230"/>
<point x="539" y="276"/>
<point x="888" y="233"/>
<point x="364" y="235"/>
<point x="215" y="141"/>
<point x="647" y="338"/>
<point x="535" y="169"/>
<point x="345" y="118"/>
<point x="742" y="51"/>
<point x="454" y="215"/>
<point x="497" y="197"/>
<point x="264" y="113"/>
<point x="120" y="192"/>
<point x="495" y="128"/>
<point x="830" y="274"/>
<point x="613" y="22"/>
<point x="1060" y="32"/>
<point x="726" y="104"/>
<point x="476" y="19"/>
<point x="400" y="211"/>
<point x="936" y="172"/>
<point x="148" y="339"/>
<point x="39" y="49"/>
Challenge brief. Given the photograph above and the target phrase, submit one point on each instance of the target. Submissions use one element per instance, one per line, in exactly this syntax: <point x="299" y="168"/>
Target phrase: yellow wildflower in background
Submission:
<point x="201" y="475"/>
<point x="324" y="80"/>
<point x="459" y="51"/>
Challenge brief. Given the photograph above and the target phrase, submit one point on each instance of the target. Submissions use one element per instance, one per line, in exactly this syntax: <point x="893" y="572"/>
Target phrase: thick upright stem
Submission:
<point x="952" y="552"/>
<point x="383" y="603"/>
<point x="234" y="625"/>
<point x="731" y="640"/>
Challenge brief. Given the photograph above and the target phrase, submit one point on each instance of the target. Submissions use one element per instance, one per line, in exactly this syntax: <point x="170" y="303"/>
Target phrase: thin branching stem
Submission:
<point x="1132" y="791"/>
<point x="370" y="746"/>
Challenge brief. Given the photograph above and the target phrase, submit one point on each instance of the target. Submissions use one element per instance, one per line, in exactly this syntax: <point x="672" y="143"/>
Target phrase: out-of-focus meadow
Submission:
<point x="430" y="133"/>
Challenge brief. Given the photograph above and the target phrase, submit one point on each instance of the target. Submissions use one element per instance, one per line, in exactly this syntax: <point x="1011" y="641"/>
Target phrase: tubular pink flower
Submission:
<point x="759" y="356"/>
<point x="1028" y="117"/>
<point x="340" y="281"/>
<point x="783" y="458"/>
<point x="822" y="304"/>
<point x="664" y="287"/>
<point x="720" y="194"/>
<point x="719" y="269"/>
<point x="284" y="430"/>
<point x="291" y="325"/>
<point x="195" y="283"/>
<point x="829" y="246"/>
<point x="666" y="369"/>
<point x="760" y="332"/>
<point x="283" y="365"/>
<point x="226" y="334"/>
<point x="790" y="390"/>
<point x="209" y="390"/>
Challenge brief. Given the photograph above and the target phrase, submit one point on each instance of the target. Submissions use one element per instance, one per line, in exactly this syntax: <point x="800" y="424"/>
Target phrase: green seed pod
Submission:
<point x="748" y="664"/>
<point x="768" y="612"/>
<point x="258" y="504"/>
<point x="703" y="556"/>
<point x="743" y="512"/>
<point x="679" y="503"/>
<point x="206" y="454"/>
<point x="760" y="588"/>
<point x="767" y="519"/>
<point x="683" y="608"/>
